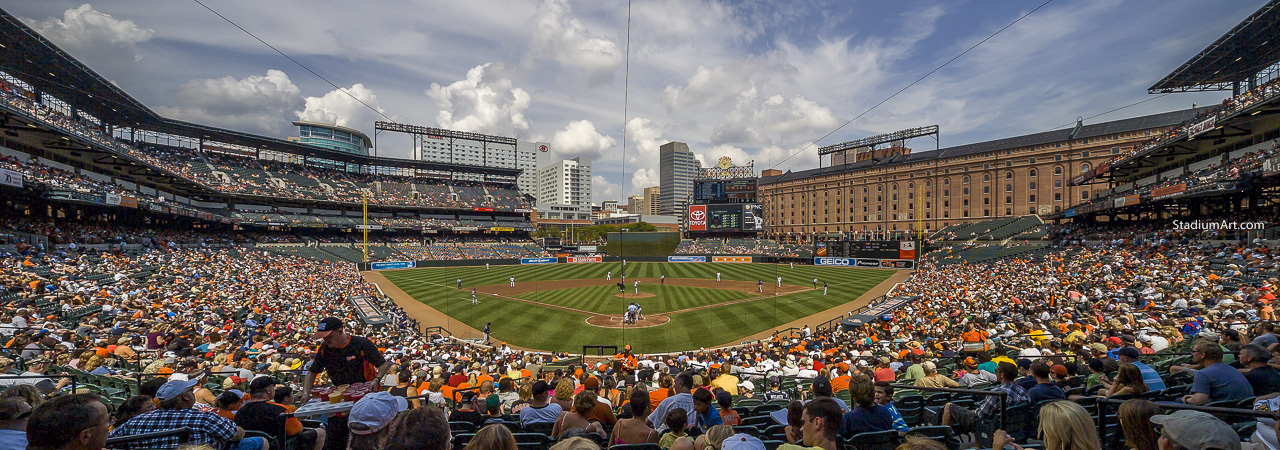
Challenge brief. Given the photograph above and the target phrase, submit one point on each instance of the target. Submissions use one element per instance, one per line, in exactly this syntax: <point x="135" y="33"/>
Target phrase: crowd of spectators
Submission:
<point x="1078" y="322"/>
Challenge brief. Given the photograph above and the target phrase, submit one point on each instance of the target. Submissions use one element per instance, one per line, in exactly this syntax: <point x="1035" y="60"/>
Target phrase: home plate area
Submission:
<point x="615" y="321"/>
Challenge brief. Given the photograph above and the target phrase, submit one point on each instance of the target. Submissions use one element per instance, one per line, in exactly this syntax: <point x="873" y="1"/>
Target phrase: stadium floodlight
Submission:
<point x="430" y="131"/>
<point x="871" y="142"/>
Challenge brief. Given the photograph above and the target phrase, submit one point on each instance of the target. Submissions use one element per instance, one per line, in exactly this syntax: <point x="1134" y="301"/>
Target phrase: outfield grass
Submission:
<point x="547" y="328"/>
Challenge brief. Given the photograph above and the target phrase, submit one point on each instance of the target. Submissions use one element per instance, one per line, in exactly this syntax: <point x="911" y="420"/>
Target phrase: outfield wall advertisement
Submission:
<point x="584" y="259"/>
<point x="387" y="265"/>
<point x="866" y="262"/>
<point x="538" y="260"/>
<point x="686" y="259"/>
<point x="731" y="259"/>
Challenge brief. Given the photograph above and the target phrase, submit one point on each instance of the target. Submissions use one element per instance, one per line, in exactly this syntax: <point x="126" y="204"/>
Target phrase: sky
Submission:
<point x="755" y="80"/>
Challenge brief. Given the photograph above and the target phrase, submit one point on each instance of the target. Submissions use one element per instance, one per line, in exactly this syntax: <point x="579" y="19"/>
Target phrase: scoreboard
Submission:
<point x="738" y="190"/>
<point x="726" y="217"/>
<point x="859" y="249"/>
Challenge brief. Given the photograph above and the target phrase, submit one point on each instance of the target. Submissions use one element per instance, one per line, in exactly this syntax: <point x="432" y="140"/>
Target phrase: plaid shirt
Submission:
<point x="991" y="405"/>
<point x="206" y="428"/>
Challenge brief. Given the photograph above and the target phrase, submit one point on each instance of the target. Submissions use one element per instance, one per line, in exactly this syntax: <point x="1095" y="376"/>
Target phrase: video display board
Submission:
<point x="741" y="190"/>
<point x="726" y="217"/>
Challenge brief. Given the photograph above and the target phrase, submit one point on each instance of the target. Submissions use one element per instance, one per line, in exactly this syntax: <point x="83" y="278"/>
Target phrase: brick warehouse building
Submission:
<point x="1014" y="176"/>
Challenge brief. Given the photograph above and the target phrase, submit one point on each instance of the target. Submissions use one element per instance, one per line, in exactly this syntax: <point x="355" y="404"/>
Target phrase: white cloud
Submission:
<point x="772" y="121"/>
<point x="87" y="29"/>
<point x="602" y="189"/>
<point x="337" y="107"/>
<point x="580" y="138"/>
<point x="645" y="136"/>
<point x="484" y="102"/>
<point x="257" y="103"/>
<point x="643" y="178"/>
<point x="717" y="86"/>
<point x="561" y="37"/>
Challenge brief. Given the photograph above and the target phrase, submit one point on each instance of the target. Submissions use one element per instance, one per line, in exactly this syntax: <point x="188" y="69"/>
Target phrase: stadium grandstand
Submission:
<point x="150" y="262"/>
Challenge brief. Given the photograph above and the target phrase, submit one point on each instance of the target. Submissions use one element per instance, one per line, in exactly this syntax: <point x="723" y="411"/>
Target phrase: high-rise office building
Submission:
<point x="676" y="169"/>
<point x="652" y="200"/>
<point x="566" y="182"/>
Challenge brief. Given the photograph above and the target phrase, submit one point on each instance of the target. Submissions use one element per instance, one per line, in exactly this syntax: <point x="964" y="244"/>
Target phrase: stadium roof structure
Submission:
<point x="1235" y="58"/>
<point x="27" y="55"/>
<point x="1048" y="137"/>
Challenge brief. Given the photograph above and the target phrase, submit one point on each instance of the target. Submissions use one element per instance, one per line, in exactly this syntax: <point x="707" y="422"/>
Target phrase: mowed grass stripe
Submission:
<point x="547" y="328"/>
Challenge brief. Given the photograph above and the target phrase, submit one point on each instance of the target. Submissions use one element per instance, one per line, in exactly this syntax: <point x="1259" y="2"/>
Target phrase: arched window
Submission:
<point x="1057" y="170"/>
<point x="966" y="179"/>
<point x="986" y="177"/>
<point x="1084" y="168"/>
<point x="1008" y="175"/>
<point x="1031" y="173"/>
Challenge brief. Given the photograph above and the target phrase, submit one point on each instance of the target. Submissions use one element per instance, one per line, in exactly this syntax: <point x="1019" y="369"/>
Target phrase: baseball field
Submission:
<point x="561" y="307"/>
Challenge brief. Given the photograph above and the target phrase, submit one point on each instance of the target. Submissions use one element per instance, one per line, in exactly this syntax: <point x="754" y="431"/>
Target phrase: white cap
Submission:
<point x="375" y="411"/>
<point x="748" y="385"/>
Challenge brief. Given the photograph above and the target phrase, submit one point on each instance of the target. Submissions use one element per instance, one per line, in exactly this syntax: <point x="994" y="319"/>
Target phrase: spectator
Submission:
<point x="728" y="415"/>
<point x="866" y="415"/>
<point x="714" y="436"/>
<point x="746" y="390"/>
<point x="1066" y="426"/>
<point x="370" y="417"/>
<point x="1135" y="421"/>
<point x="1194" y="430"/>
<point x="634" y="430"/>
<point x="1044" y="388"/>
<point x="707" y="415"/>
<point x="583" y="404"/>
<point x="492" y="437"/>
<point x="131" y="407"/>
<point x="78" y="421"/>
<point x="1130" y="355"/>
<point x="967" y="420"/>
<point x="1215" y="381"/>
<point x="466" y="410"/>
<point x="1263" y="378"/>
<point x="540" y="410"/>
<point x="1128" y="382"/>
<point x="884" y="397"/>
<point x="821" y="425"/>
<point x="420" y="428"/>
<point x="176" y="400"/>
<point x="932" y="379"/>
<point x="261" y="413"/>
<point x="683" y="399"/>
<point x="13" y="423"/>
<point x="40" y="366"/>
<point x="821" y="388"/>
<point x="676" y="422"/>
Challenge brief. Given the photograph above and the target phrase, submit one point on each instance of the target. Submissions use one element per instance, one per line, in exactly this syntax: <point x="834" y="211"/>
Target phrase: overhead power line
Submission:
<point x="290" y="58"/>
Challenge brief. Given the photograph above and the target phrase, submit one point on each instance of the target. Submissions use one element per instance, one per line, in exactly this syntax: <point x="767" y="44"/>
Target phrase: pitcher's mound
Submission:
<point x="615" y="321"/>
<point x="634" y="295"/>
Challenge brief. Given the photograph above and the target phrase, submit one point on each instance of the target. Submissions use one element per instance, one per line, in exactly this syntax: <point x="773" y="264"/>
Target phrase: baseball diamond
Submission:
<point x="564" y="306"/>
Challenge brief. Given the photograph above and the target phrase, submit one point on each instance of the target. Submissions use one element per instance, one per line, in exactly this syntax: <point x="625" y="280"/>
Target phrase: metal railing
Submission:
<point x="1002" y="394"/>
<point x="183" y="434"/>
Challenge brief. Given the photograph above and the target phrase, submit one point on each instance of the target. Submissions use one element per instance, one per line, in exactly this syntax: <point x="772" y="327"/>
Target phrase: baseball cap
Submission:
<point x="1059" y="369"/>
<point x="821" y="383"/>
<point x="1195" y="430"/>
<point x="742" y="441"/>
<point x="540" y="387"/>
<point x="261" y="383"/>
<point x="375" y="411"/>
<point x="173" y="389"/>
<point x="591" y="384"/>
<point x="326" y="326"/>
<point x="747" y="385"/>
<point x="1129" y="352"/>
<point x="929" y="366"/>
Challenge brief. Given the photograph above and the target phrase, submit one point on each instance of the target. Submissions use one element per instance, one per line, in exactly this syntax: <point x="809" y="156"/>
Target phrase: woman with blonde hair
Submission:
<point x="564" y="394"/>
<point x="1135" y="421"/>
<point x="712" y="439"/>
<point x="492" y="437"/>
<point x="1065" y="425"/>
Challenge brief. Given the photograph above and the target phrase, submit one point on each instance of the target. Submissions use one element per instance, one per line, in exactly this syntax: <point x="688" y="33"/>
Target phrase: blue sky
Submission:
<point x="753" y="80"/>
